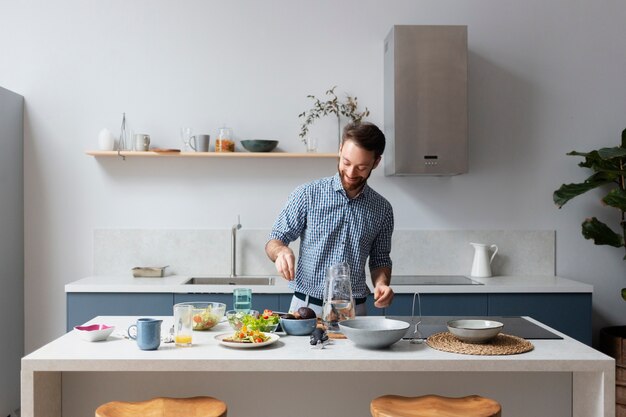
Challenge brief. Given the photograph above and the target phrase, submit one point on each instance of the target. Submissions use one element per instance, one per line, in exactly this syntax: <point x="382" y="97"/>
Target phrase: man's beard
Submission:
<point x="352" y="186"/>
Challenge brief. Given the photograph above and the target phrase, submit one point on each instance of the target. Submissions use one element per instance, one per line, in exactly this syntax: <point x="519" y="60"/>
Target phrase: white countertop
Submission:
<point x="174" y="284"/>
<point x="70" y="377"/>
<point x="294" y="353"/>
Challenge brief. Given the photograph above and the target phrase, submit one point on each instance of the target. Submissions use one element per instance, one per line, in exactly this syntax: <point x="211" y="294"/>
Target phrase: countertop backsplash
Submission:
<point x="414" y="252"/>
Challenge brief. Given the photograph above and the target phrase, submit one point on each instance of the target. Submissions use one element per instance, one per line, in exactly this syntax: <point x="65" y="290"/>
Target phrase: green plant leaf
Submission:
<point x="624" y="293"/>
<point x="601" y="234"/>
<point x="568" y="191"/>
<point x="610" y="153"/>
<point x="616" y="198"/>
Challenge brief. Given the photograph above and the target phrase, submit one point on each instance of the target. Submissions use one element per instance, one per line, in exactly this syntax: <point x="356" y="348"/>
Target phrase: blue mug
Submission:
<point x="147" y="333"/>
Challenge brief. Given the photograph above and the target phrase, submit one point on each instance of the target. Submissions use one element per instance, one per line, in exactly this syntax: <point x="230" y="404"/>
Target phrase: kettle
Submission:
<point x="338" y="302"/>
<point x="482" y="262"/>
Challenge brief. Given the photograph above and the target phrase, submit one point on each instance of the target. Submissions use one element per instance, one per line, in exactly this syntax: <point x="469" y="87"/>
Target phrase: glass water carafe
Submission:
<point x="338" y="301"/>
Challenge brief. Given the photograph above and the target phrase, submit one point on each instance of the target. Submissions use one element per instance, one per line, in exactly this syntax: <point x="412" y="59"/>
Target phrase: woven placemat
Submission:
<point x="502" y="344"/>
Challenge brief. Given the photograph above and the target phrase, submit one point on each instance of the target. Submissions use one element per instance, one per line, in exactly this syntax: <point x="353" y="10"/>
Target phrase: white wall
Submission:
<point x="545" y="78"/>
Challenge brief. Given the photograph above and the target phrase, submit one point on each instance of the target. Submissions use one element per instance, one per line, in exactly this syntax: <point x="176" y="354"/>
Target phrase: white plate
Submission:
<point x="220" y="338"/>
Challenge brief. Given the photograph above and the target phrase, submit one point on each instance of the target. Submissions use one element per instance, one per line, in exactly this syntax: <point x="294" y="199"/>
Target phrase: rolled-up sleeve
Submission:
<point x="381" y="247"/>
<point x="291" y="220"/>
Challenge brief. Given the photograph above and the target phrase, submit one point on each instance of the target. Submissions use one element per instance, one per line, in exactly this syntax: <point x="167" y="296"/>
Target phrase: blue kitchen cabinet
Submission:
<point x="259" y="301"/>
<point x="569" y="313"/>
<point x="284" y="302"/>
<point x="82" y="307"/>
<point x="438" y="305"/>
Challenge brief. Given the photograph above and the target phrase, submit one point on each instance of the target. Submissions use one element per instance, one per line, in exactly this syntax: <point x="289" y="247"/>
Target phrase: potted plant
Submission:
<point x="609" y="171"/>
<point x="347" y="109"/>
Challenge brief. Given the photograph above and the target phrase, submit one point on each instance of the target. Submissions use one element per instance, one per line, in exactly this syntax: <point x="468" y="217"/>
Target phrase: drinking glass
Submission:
<point x="185" y="136"/>
<point x="311" y="144"/>
<point x="242" y="299"/>
<point x="183" y="324"/>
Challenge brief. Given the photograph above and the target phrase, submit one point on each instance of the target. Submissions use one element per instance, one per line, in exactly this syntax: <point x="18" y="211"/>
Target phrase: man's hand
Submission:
<point x="283" y="258"/>
<point x="285" y="263"/>
<point x="383" y="295"/>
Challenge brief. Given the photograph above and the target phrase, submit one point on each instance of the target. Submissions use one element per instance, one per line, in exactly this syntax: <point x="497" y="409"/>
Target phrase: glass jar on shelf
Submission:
<point x="224" y="141"/>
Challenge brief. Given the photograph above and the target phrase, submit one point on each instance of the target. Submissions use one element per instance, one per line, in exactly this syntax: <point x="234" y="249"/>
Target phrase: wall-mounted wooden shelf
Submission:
<point x="151" y="154"/>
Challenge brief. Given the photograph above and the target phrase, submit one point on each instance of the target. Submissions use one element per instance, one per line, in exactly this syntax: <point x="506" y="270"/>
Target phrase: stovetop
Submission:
<point x="433" y="280"/>
<point x="513" y="325"/>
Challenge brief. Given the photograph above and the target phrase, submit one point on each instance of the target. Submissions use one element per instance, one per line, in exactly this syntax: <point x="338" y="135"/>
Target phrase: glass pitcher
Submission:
<point x="338" y="302"/>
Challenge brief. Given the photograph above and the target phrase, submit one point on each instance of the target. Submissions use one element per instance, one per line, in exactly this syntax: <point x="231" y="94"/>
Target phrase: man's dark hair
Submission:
<point x="365" y="135"/>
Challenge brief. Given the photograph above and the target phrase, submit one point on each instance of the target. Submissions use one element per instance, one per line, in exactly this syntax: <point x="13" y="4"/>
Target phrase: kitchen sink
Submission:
<point x="241" y="280"/>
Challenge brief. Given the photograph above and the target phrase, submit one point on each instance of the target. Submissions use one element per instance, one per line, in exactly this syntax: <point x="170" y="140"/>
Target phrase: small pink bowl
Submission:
<point x="94" y="332"/>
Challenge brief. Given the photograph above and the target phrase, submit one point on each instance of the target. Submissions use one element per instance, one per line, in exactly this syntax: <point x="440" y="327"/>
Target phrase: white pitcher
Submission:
<point x="482" y="262"/>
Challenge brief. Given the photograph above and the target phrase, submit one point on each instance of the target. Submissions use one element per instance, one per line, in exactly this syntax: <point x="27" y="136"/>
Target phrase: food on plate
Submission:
<point x="245" y="335"/>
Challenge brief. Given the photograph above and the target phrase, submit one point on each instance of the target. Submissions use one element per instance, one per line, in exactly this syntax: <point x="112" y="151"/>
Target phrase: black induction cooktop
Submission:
<point x="513" y="325"/>
<point x="433" y="280"/>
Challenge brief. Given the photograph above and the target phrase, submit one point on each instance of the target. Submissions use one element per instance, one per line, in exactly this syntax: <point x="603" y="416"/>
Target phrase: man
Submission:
<point x="338" y="219"/>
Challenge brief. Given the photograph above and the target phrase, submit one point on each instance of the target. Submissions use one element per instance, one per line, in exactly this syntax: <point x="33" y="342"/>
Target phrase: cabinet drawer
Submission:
<point x="82" y="307"/>
<point x="440" y="305"/>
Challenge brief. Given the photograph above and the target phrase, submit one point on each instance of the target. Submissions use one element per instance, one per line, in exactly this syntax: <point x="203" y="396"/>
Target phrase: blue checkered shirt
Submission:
<point x="333" y="228"/>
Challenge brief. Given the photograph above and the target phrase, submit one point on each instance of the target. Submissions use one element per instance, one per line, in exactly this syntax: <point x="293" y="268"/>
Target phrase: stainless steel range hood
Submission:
<point x="426" y="100"/>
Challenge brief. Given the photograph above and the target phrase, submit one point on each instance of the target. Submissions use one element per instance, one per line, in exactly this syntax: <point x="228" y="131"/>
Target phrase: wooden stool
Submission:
<point x="165" y="407"/>
<point x="434" y="406"/>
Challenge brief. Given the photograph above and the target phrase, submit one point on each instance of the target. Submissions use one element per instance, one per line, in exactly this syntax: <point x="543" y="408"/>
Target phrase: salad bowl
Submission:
<point x="206" y="314"/>
<point x="267" y="321"/>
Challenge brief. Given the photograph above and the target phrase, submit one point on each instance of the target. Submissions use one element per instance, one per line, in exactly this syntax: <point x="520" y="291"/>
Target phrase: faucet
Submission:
<point x="233" y="248"/>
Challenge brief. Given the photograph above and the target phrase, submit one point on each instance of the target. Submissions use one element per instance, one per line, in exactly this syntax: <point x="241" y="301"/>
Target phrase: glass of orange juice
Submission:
<point x="183" y="324"/>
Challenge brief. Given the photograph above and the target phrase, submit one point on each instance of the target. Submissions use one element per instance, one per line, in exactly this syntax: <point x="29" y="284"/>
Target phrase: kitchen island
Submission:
<point x="559" y="302"/>
<point x="70" y="377"/>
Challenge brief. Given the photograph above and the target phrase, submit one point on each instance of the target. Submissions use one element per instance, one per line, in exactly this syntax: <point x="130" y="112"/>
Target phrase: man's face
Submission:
<point x="355" y="166"/>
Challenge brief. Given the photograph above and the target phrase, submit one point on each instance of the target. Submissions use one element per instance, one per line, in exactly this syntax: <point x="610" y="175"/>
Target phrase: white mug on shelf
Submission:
<point x="142" y="142"/>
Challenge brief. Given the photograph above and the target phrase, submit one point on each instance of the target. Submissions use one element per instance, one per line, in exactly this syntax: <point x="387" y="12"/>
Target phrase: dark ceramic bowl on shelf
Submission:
<point x="259" y="145"/>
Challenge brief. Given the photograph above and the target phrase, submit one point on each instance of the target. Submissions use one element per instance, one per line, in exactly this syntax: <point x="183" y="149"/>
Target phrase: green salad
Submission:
<point x="265" y="322"/>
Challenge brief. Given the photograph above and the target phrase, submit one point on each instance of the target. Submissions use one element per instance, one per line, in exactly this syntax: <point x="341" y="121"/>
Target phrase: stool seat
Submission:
<point x="165" y="407"/>
<point x="434" y="406"/>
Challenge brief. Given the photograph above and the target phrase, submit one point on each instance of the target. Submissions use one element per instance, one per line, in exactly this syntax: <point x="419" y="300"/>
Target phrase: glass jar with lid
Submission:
<point x="224" y="141"/>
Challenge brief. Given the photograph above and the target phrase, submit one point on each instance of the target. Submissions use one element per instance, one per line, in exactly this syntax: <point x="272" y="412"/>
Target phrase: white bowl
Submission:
<point x="373" y="332"/>
<point x="475" y="331"/>
<point x="94" y="332"/>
